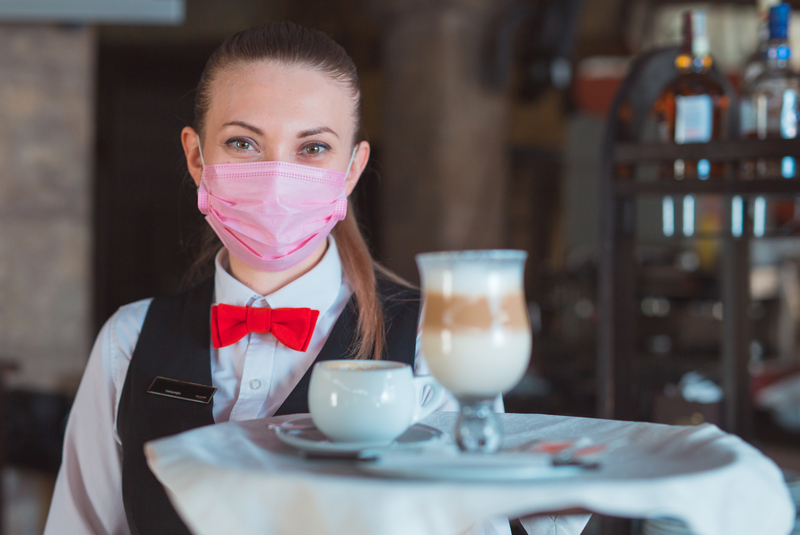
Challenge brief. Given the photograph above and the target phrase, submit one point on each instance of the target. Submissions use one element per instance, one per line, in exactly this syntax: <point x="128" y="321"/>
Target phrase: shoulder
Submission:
<point x="111" y="355"/>
<point x="126" y="323"/>
<point x="121" y="333"/>
<point x="117" y="338"/>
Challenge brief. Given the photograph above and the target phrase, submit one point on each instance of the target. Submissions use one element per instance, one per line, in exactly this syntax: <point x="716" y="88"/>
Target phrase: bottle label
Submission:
<point x="693" y="119"/>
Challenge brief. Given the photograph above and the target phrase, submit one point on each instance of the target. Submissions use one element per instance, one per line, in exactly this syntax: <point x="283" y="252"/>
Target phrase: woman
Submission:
<point x="277" y="119"/>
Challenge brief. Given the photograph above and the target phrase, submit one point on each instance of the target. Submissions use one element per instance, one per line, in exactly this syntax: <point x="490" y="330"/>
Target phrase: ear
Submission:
<point x="359" y="163"/>
<point x="191" y="148"/>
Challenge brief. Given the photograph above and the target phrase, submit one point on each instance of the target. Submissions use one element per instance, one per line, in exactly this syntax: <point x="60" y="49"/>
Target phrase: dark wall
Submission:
<point x="145" y="205"/>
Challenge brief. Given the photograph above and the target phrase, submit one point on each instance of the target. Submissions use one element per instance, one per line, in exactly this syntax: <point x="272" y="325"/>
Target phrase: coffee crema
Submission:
<point x="470" y="312"/>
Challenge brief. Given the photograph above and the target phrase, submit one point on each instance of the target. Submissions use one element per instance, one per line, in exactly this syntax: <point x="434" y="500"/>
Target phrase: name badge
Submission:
<point x="172" y="388"/>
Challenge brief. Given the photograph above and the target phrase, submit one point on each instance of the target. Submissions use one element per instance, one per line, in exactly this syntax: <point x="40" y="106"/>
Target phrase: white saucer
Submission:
<point x="303" y="434"/>
<point x="456" y="466"/>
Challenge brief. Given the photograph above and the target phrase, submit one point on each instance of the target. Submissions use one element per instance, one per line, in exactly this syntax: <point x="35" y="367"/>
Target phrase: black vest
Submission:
<point x="175" y="343"/>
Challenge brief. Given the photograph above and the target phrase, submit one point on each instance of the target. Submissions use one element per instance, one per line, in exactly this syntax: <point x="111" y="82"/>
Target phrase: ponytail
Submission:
<point x="361" y="270"/>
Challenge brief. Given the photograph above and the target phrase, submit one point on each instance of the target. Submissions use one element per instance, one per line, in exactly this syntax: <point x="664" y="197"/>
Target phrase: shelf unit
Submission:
<point x="618" y="384"/>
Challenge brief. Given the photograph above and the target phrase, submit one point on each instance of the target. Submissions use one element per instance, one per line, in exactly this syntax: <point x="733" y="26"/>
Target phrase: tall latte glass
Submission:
<point x="475" y="333"/>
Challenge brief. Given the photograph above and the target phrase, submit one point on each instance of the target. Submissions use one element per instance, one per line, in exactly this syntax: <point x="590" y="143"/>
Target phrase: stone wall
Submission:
<point x="46" y="139"/>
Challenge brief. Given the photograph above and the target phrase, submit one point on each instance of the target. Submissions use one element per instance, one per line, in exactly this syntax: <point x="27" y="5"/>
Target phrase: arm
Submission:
<point x="88" y="494"/>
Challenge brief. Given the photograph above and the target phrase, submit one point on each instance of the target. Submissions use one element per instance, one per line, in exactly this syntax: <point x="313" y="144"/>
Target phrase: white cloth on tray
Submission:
<point x="238" y="477"/>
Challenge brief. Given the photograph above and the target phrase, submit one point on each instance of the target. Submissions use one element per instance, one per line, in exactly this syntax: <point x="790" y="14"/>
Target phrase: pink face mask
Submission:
<point x="272" y="215"/>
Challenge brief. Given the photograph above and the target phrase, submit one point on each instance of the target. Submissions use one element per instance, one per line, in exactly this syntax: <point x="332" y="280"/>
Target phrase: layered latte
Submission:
<point x="476" y="339"/>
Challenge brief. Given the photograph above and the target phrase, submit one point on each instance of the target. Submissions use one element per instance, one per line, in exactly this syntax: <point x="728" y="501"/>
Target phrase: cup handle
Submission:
<point x="437" y="396"/>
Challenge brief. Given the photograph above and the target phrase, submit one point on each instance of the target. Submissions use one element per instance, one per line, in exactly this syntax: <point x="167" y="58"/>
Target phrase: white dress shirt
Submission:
<point x="253" y="377"/>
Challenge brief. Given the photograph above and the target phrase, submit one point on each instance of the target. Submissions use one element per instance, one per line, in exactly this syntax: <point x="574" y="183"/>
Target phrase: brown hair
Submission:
<point x="292" y="45"/>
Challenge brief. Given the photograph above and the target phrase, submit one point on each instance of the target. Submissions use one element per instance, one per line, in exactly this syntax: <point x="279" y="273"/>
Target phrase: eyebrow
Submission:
<point x="243" y="124"/>
<point x="315" y="131"/>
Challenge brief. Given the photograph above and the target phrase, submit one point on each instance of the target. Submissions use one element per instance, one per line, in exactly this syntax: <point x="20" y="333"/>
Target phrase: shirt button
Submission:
<point x="255" y="384"/>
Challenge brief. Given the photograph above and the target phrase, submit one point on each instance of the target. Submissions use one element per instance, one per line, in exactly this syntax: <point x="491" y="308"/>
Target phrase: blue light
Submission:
<point x="759" y="217"/>
<point x="789" y="115"/>
<point x="703" y="169"/>
<point x="787" y="167"/>
<point x="668" y="216"/>
<point x="737" y="216"/>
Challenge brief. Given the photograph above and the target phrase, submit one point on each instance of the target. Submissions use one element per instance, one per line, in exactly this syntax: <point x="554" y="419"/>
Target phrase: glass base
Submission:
<point x="477" y="428"/>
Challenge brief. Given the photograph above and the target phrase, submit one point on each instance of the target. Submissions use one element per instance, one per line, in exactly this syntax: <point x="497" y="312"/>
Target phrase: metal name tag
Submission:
<point x="172" y="388"/>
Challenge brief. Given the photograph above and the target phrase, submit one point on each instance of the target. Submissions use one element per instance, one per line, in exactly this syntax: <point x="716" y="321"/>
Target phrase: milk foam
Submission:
<point x="473" y="279"/>
<point x="479" y="364"/>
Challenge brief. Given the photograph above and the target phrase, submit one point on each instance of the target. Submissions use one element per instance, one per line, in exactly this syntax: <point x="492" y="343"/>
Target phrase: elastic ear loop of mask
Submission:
<point x="352" y="157"/>
<point x="200" y="147"/>
<point x="349" y="164"/>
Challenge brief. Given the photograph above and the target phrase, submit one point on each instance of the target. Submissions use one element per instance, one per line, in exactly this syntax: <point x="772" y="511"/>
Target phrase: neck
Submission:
<point x="267" y="282"/>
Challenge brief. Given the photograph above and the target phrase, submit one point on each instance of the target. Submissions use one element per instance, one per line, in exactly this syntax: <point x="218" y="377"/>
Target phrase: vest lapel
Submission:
<point x="336" y="347"/>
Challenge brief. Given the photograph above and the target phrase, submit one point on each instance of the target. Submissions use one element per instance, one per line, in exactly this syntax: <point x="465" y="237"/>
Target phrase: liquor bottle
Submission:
<point x="754" y="66"/>
<point x="773" y="96"/>
<point x="693" y="108"/>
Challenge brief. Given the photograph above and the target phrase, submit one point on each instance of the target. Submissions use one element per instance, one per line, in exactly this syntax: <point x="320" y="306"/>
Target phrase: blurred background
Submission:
<point x="490" y="127"/>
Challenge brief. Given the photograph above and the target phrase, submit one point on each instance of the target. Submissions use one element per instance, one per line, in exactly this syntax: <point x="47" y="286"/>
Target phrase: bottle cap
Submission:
<point x="779" y="21"/>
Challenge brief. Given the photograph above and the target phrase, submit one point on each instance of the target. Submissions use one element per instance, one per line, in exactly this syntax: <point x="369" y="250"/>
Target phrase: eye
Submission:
<point x="241" y="145"/>
<point x="315" y="148"/>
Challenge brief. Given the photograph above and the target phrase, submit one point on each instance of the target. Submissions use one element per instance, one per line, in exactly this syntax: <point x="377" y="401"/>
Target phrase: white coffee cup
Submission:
<point x="372" y="401"/>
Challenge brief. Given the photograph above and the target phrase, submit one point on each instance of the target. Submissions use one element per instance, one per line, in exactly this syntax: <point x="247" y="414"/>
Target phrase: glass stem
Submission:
<point x="477" y="428"/>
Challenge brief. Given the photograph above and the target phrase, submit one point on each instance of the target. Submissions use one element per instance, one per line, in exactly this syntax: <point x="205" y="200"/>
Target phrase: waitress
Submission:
<point x="275" y="153"/>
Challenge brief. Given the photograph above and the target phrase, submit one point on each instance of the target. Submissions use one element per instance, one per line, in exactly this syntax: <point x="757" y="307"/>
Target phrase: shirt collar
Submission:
<point x="317" y="289"/>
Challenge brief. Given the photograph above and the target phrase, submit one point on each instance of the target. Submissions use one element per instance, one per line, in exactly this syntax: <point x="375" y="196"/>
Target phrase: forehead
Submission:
<point x="279" y="95"/>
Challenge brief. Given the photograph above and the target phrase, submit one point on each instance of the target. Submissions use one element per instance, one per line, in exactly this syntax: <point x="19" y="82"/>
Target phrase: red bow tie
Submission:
<point x="292" y="327"/>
